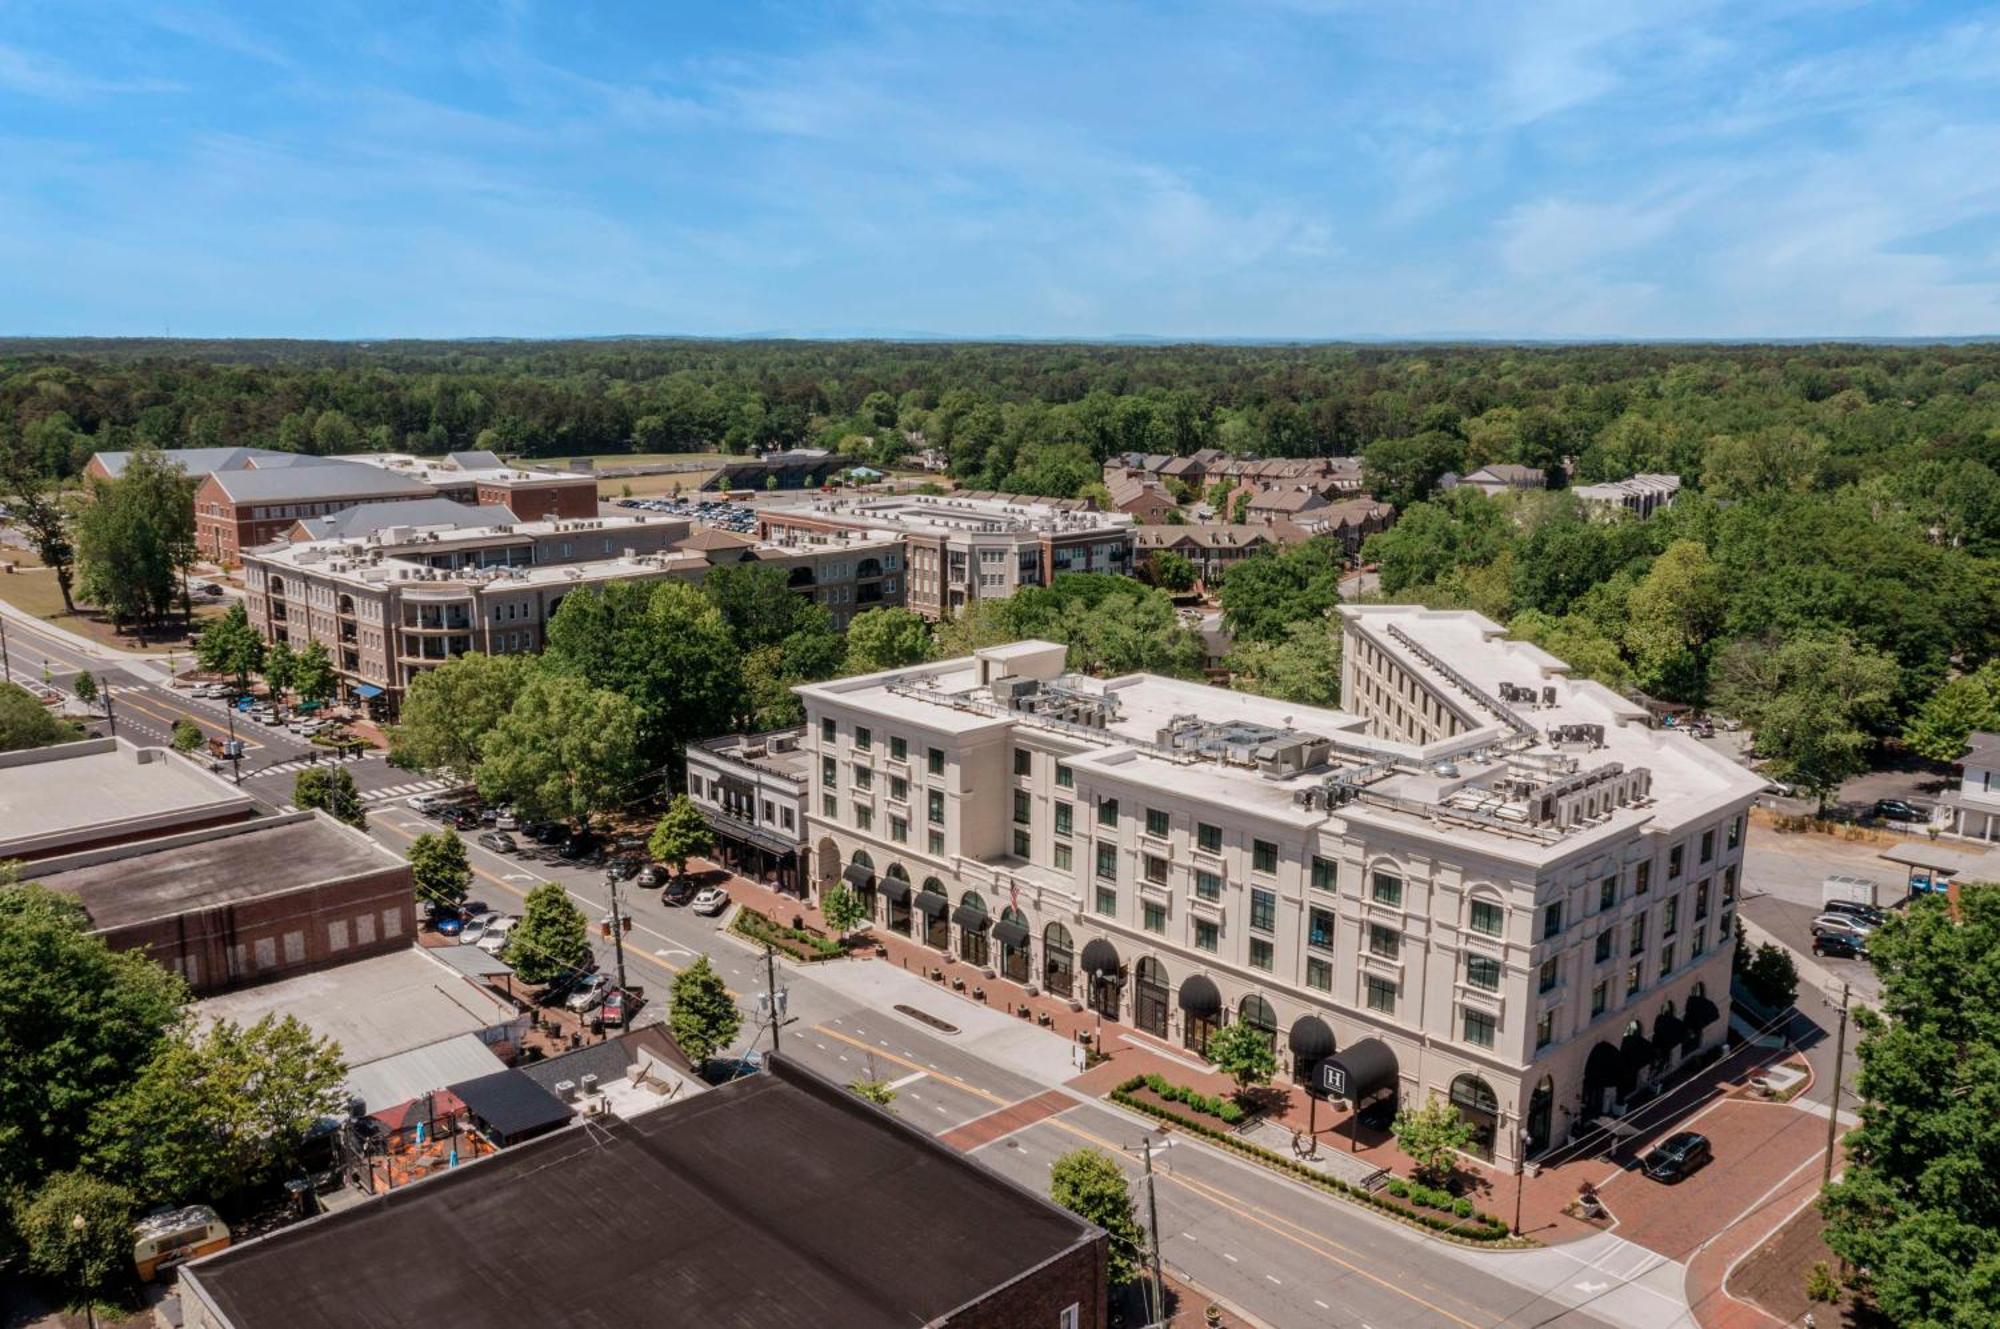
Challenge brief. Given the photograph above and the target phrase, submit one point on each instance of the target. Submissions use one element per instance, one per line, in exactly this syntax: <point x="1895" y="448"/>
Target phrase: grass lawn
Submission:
<point x="32" y="588"/>
<point x="652" y="486"/>
<point x="628" y="458"/>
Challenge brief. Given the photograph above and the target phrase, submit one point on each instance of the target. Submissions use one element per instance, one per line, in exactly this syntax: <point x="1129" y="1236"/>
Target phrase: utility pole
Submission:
<point x="617" y="934"/>
<point x="1833" y="1108"/>
<point x="6" y="660"/>
<point x="771" y="994"/>
<point x="109" y="718"/>
<point x="1153" y="1224"/>
<point x="235" y="748"/>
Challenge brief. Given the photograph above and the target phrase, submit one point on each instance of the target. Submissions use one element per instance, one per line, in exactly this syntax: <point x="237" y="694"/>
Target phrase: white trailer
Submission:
<point x="1854" y="890"/>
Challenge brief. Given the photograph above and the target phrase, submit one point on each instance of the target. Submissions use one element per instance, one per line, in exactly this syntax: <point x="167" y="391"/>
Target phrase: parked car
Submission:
<point x="546" y="832"/>
<point x="428" y="804"/>
<point x="1679" y="1155"/>
<point x="711" y="902"/>
<point x="620" y="1005"/>
<point x="1896" y="809"/>
<point x="459" y="819"/>
<point x="1844" y="945"/>
<point x="1865" y="913"/>
<point x="650" y="878"/>
<point x="624" y="869"/>
<point x="677" y="892"/>
<point x="1825" y="923"/>
<point x="588" y="994"/>
<point x="494" y="939"/>
<point x="449" y="923"/>
<point x="475" y="927"/>
<point x="582" y="848"/>
<point x="505" y="820"/>
<point x="499" y="842"/>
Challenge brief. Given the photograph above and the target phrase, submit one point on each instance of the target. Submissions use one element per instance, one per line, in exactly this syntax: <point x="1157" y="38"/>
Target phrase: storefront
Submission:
<point x="1107" y="977"/>
<point x="1201" y="1013"/>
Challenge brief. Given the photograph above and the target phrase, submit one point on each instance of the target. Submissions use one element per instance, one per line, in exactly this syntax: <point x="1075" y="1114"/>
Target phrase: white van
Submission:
<point x="175" y="1237"/>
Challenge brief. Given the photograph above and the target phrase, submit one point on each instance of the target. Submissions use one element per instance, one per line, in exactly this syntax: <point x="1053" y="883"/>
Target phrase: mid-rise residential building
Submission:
<point x="1501" y="477"/>
<point x="964" y="548"/>
<point x="393" y="601"/>
<point x="1641" y="495"/>
<point x="1496" y="882"/>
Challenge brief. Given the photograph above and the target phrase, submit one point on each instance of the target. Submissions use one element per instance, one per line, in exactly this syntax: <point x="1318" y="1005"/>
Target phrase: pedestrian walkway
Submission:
<point x="311" y="759"/>
<point x="368" y="796"/>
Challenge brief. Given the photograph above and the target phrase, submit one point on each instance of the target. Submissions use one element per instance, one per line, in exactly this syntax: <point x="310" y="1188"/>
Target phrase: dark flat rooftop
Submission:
<point x="267" y="859"/>
<point x="775" y="1201"/>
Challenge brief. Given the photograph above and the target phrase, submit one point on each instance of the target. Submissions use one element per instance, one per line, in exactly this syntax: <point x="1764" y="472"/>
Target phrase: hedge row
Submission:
<point x="795" y="942"/>
<point x="1473" y="1227"/>
<point x="1207" y="1105"/>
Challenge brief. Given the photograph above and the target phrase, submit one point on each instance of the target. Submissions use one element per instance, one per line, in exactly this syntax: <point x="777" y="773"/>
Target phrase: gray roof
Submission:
<point x="472" y="961"/>
<point x="367" y="518"/>
<point x="474" y="461"/>
<point x="330" y="479"/>
<point x="389" y="1081"/>
<point x="1982" y="751"/>
<point x="196" y="461"/>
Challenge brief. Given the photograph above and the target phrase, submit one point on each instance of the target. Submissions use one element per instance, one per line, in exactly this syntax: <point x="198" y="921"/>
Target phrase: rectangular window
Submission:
<point x="1065" y="818"/>
<point x="1207" y="936"/>
<point x="1642" y="878"/>
<point x="1107" y="812"/>
<point x="267" y="952"/>
<point x="1107" y="900"/>
<point x="864" y="778"/>
<point x="1666" y="960"/>
<point x="1486" y="918"/>
<point x="1638" y="936"/>
<point x="1479" y="1029"/>
<point x="1552" y="921"/>
<point x="1023" y="846"/>
<point x="829" y="807"/>
<point x="1325" y="874"/>
<point x="1319" y="973"/>
<point x="1263" y="856"/>
<point x="1604" y="945"/>
<point x="935" y="760"/>
<point x="864" y="737"/>
<point x="1107" y="861"/>
<point x="864" y="817"/>
<point x="1063" y="859"/>
<point x="1023" y="806"/>
<point x="1672" y="922"/>
<point x="828" y="732"/>
<point x="1482" y="971"/>
<point x="899" y="829"/>
<point x="1600" y="999"/>
<point x="1387" y="889"/>
<point x="1675" y="857"/>
<point x="1701" y="901"/>
<point x="1698" y="944"/>
<point x="1607" y="894"/>
<point x="1156" y="823"/>
<point x="1729" y="884"/>
<point x="899" y="749"/>
<point x="1735" y="832"/>
<point x="1024" y="762"/>
<point x="336" y="935"/>
<point x="1545" y="1029"/>
<point x="1707" y="845"/>
<point x="1385" y="942"/>
<point x="1262" y="954"/>
<point x="1631" y="980"/>
<point x="1551" y="969"/>
<point x="899" y="789"/>
<point x="829" y="772"/>
<point x="936" y="841"/>
<point x="392" y="922"/>
<point x="1070" y="1317"/>
<point x="1263" y="910"/>
<point x="934" y="806"/>
<point x="1207" y="885"/>
<point x="1208" y="838"/>
<point x="1153" y="917"/>
<point x="1156" y="869"/>
<point x="1065" y="778"/>
<point x="1381" y="995"/>
<point x="1319" y="928"/>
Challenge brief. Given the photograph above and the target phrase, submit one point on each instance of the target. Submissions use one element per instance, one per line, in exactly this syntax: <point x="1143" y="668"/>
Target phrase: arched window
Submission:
<point x="1149" y="997"/>
<point x="1475" y="1102"/>
<point x="898" y="871"/>
<point x="1540" y="1107"/>
<point x="1012" y="931"/>
<point x="973" y="922"/>
<point x="1058" y="960"/>
<point x="1254" y="1011"/>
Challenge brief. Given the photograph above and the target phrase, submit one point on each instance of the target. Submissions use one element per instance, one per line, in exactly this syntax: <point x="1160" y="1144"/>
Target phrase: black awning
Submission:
<point x="1361" y="1072"/>
<point x="1011" y="933"/>
<point x="1600" y="1069"/>
<point x="894" y="889"/>
<point x="1310" y="1038"/>
<point x="857" y="876"/>
<point x="510" y="1105"/>
<point x="1668" y="1033"/>
<point x="931" y="903"/>
<point x="1635" y="1054"/>
<point x="1100" y="957"/>
<point x="972" y="918"/>
<point x="1701" y="1013"/>
<point x="1199" y="997"/>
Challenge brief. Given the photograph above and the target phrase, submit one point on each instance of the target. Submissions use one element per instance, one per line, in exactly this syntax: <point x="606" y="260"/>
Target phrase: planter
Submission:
<point x="1212" y="1316"/>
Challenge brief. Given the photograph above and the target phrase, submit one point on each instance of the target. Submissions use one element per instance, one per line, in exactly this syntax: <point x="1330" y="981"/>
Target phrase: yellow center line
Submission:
<point x="907" y="1064"/>
<point x="219" y="729"/>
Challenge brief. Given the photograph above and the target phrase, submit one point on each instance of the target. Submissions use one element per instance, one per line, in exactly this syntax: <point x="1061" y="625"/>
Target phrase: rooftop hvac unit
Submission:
<point x="589" y="1085"/>
<point x="565" y="1089"/>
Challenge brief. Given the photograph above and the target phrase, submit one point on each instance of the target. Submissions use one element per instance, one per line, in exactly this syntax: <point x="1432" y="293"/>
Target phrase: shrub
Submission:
<point x="1399" y="1188"/>
<point x="1462" y="1207"/>
<point x="1158" y="1084"/>
<point x="1821" y="1285"/>
<point x="1231" y="1114"/>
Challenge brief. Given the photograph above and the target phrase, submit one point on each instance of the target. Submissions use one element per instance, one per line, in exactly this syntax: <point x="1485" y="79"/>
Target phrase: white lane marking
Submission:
<point x="1322" y="1305"/>
<point x="1231" y="1258"/>
<point x="1275" y="1279"/>
<point x="911" y="1078"/>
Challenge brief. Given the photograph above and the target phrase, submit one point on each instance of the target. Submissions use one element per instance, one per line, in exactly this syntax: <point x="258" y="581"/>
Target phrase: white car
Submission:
<point x="589" y="994"/>
<point x="424" y="803"/>
<point x="493" y="938"/>
<point x="475" y="927"/>
<point x="711" y="902"/>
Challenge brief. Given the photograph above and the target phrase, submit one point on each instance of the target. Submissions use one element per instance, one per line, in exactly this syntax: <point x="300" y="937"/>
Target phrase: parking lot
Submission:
<point x="739" y="518"/>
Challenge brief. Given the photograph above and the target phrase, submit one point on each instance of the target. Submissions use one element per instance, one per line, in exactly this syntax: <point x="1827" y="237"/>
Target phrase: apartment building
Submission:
<point x="1641" y="495"/>
<point x="752" y="789"/>
<point x="967" y="547"/>
<point x="392" y="601"/>
<point x="1483" y="879"/>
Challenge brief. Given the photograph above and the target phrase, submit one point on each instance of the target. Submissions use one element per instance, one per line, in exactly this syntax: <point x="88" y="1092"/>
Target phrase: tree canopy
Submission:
<point x="26" y="723"/>
<point x="565" y="751"/>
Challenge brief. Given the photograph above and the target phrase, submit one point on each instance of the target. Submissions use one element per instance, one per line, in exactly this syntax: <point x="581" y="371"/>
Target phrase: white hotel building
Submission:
<point x="1483" y="879"/>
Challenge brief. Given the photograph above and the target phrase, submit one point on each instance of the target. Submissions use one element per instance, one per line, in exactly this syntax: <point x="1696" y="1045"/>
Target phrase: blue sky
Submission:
<point x="1310" y="168"/>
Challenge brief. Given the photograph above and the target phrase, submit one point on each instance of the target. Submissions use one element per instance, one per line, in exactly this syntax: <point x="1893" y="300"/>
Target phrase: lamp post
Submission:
<point x="1520" y="1175"/>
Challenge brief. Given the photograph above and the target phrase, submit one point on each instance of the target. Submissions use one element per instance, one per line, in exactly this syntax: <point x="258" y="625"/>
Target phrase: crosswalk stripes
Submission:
<point x="402" y="790"/>
<point x="302" y="763"/>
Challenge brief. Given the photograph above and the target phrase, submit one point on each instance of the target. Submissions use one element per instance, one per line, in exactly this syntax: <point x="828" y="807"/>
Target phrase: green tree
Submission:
<point x="187" y="735"/>
<point x="312" y="674"/>
<point x="680" y="833"/>
<point x="1265" y="594"/>
<point x="565" y="751"/>
<point x="842" y="908"/>
<point x="1916" y="1206"/>
<point x="1431" y="1137"/>
<point x="879" y="1092"/>
<point x="35" y="503"/>
<point x="216" y="1110"/>
<point x="440" y="869"/>
<point x="78" y="1233"/>
<point x="703" y="1018"/>
<point x="1429" y="540"/>
<point x="135" y="539"/>
<point x="1813" y="701"/>
<point x="552" y="940"/>
<point x="887" y="638"/>
<point x="1578" y="642"/>
<point x="1958" y="709"/>
<point x="1405" y="470"/>
<point x="85" y="687"/>
<point x="448" y="711"/>
<point x="281" y="670"/>
<point x="1171" y="571"/>
<point x="26" y="723"/>
<point x="76" y="1021"/>
<point x="1768" y="975"/>
<point x="1676" y="610"/>
<point x="229" y="645"/>
<point x="1239" y="509"/>
<point x="1244" y="1054"/>
<point x="1090" y="1184"/>
<point x="1303" y="667"/>
<point x="331" y="790"/>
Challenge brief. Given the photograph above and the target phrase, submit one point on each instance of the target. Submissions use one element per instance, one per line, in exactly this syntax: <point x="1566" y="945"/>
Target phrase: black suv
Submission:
<point x="1679" y="1155"/>
<point x="1846" y="945"/>
<point x="1895" y="809"/>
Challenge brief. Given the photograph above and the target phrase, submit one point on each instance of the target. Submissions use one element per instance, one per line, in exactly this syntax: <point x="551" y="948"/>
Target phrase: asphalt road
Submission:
<point x="1278" y="1250"/>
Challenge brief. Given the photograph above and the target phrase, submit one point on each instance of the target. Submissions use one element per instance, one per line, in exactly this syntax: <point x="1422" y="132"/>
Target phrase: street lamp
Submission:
<point x="1520" y="1175"/>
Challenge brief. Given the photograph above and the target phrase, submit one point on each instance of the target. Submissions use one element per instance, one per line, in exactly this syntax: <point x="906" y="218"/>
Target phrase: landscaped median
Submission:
<point x="1444" y="1215"/>
<point x="799" y="943"/>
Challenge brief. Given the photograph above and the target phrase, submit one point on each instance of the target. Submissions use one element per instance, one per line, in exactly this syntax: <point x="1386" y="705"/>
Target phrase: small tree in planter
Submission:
<point x="703" y="1018"/>
<point x="1090" y="1184"/>
<point x="1241" y="1052"/>
<point x="1431" y="1135"/>
<point x="840" y="905"/>
<point x="681" y="833"/>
